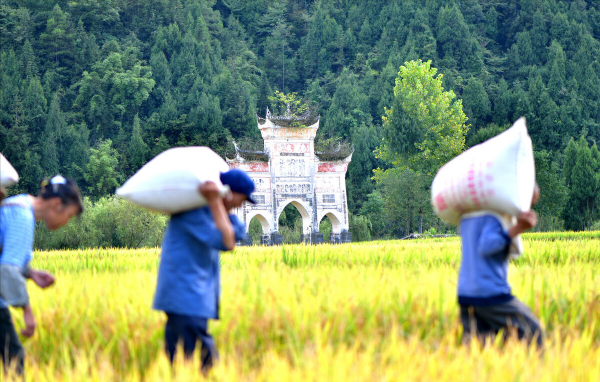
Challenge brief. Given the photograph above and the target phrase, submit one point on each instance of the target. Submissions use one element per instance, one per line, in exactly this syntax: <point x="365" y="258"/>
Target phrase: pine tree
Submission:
<point x="581" y="207"/>
<point x="476" y="100"/>
<point x="138" y="149"/>
<point x="52" y="144"/>
<point x="35" y="107"/>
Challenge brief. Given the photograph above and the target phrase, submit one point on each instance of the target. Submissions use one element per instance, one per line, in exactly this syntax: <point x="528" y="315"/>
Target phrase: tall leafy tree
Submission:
<point x="581" y="208"/>
<point x="102" y="173"/>
<point x="426" y="126"/>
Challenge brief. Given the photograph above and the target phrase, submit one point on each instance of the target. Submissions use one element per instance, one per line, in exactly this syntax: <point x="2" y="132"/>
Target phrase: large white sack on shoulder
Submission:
<point x="498" y="174"/>
<point x="169" y="182"/>
<point x="8" y="174"/>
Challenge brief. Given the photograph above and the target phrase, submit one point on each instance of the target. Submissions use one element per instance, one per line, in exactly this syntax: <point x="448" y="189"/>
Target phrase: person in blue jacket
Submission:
<point x="486" y="302"/>
<point x="59" y="200"/>
<point x="188" y="277"/>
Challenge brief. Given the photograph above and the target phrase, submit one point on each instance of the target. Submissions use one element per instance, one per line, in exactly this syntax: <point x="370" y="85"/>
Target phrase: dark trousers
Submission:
<point x="11" y="350"/>
<point x="512" y="316"/>
<point x="189" y="330"/>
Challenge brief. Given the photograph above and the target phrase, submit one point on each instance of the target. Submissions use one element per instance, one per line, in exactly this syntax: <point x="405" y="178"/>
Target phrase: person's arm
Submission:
<point x="41" y="278"/>
<point x="29" y="322"/>
<point x="13" y="290"/>
<point x="211" y="192"/>
<point x="493" y="238"/>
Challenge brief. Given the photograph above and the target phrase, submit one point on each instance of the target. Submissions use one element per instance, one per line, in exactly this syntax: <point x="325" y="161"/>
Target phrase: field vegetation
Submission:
<point x="355" y="312"/>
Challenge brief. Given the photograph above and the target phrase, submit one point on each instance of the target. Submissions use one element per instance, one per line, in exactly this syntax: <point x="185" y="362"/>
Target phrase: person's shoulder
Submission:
<point x="196" y="216"/>
<point x="16" y="201"/>
<point x="18" y="204"/>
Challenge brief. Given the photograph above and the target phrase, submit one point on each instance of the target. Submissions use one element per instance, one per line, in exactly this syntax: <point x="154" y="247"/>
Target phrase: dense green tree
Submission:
<point x="581" y="208"/>
<point x="453" y="37"/>
<point x="375" y="210"/>
<point x="138" y="149"/>
<point x="197" y="72"/>
<point x="35" y="106"/>
<point x="477" y="103"/>
<point x="552" y="191"/>
<point x="432" y="128"/>
<point x="58" y="41"/>
<point x="101" y="171"/>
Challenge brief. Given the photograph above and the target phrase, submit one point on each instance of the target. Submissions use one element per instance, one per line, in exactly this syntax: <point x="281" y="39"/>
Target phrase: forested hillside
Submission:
<point x="94" y="88"/>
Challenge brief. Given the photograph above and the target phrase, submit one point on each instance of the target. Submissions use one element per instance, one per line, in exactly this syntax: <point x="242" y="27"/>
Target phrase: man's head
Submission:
<point x="62" y="201"/>
<point x="241" y="187"/>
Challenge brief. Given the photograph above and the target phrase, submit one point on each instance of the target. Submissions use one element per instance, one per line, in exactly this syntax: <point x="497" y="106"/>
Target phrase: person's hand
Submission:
<point x="210" y="191"/>
<point x="29" y="322"/>
<point x="2" y="193"/>
<point x="525" y="221"/>
<point x="41" y="278"/>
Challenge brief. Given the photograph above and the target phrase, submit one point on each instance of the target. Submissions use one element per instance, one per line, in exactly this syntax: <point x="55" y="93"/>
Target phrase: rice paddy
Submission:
<point x="383" y="311"/>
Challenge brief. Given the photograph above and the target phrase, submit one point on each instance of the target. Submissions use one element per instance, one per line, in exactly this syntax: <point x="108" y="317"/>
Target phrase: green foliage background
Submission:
<point x="94" y="88"/>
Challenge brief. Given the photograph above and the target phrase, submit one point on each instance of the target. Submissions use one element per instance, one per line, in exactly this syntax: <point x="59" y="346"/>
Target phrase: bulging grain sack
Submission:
<point x="8" y="174"/>
<point x="169" y="182"/>
<point x="497" y="175"/>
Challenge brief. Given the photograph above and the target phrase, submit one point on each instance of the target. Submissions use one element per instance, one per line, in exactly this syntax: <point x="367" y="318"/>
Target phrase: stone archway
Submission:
<point x="335" y="237"/>
<point x="264" y="222"/>
<point x="336" y="224"/>
<point x="306" y="216"/>
<point x="265" y="237"/>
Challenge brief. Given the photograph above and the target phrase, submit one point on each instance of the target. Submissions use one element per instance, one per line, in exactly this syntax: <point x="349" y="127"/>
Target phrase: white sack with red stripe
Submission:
<point x="498" y="175"/>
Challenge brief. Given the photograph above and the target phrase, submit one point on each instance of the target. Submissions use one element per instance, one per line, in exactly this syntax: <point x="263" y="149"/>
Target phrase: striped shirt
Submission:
<point x="17" y="226"/>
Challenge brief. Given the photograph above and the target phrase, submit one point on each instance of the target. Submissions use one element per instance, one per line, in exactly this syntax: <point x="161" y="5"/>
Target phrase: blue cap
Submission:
<point x="239" y="181"/>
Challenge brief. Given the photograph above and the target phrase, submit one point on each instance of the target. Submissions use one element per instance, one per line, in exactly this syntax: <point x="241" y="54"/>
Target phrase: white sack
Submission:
<point x="169" y="182"/>
<point x="8" y="174"/>
<point x="498" y="175"/>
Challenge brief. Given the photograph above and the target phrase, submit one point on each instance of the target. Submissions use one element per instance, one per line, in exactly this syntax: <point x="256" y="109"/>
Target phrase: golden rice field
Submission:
<point x="383" y="311"/>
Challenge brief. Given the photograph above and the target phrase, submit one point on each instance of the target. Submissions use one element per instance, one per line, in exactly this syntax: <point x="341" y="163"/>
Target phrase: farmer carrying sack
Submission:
<point x="8" y="174"/>
<point x="169" y="182"/>
<point x="497" y="175"/>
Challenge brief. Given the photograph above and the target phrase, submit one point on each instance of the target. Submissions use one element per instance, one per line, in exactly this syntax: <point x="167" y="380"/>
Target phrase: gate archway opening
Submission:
<point x="293" y="222"/>
<point x="331" y="227"/>
<point x="258" y="227"/>
<point x="325" y="227"/>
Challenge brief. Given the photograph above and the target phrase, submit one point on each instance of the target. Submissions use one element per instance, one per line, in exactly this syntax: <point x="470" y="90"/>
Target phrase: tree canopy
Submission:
<point x="149" y="75"/>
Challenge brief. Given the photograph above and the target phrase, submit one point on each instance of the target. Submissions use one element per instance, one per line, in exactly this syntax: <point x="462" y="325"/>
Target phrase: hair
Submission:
<point x="63" y="188"/>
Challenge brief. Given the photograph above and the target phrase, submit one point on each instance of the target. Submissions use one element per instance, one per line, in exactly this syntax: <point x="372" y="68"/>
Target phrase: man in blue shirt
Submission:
<point x="484" y="296"/>
<point x="58" y="201"/>
<point x="188" y="288"/>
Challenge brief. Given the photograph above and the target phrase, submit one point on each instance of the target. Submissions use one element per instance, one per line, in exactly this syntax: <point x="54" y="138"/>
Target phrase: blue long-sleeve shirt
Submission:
<point x="17" y="226"/>
<point x="188" y="275"/>
<point x="483" y="272"/>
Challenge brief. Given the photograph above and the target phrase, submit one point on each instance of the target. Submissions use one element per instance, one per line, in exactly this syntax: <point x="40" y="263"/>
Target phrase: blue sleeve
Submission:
<point x="17" y="236"/>
<point x="493" y="239"/>
<point x="207" y="233"/>
<point x="238" y="227"/>
<point x="203" y="228"/>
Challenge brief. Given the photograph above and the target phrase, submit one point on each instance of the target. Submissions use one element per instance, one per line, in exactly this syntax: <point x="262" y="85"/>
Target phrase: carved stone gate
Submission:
<point x="288" y="170"/>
